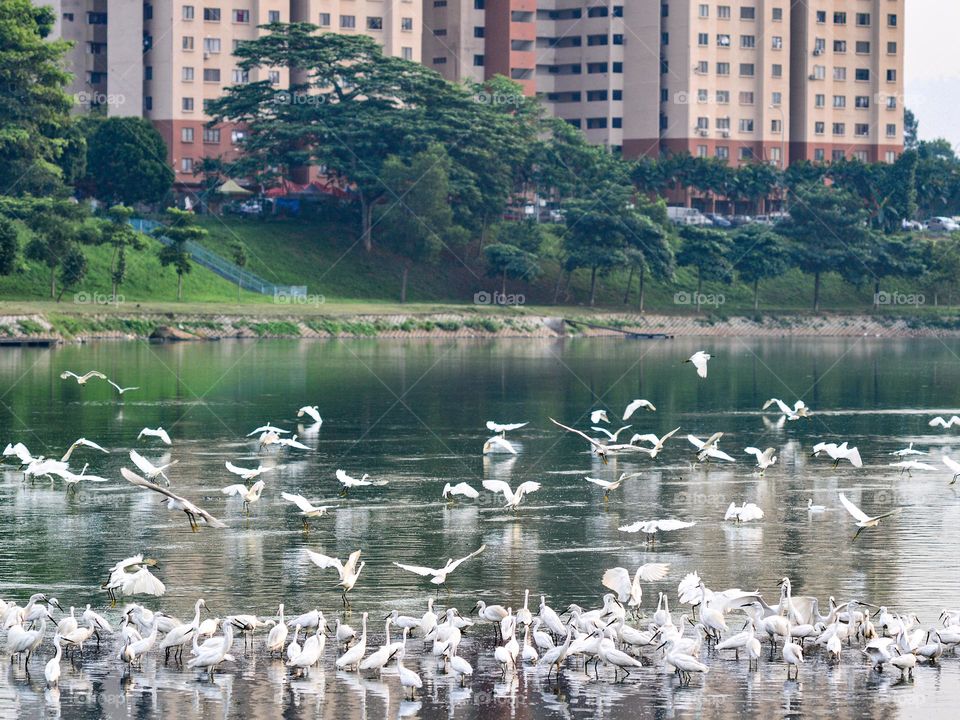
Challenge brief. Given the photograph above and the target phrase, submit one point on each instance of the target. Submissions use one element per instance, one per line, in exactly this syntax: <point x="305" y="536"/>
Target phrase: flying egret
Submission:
<point x="908" y="451"/>
<point x="82" y="442"/>
<point x="609" y="485"/>
<point x="909" y="466"/>
<point x="954" y="467"/>
<point x="249" y="496"/>
<point x="743" y="513"/>
<point x="71" y="479"/>
<point x="652" y="527"/>
<point x="635" y="405"/>
<point x="765" y="458"/>
<point x="268" y="428"/>
<point x="313" y="411"/>
<point x="150" y="471"/>
<point x="451" y="491"/>
<point x="132" y="576"/>
<point x="699" y="360"/>
<point x="349" y="571"/>
<point x="814" y="508"/>
<point x="629" y="591"/>
<point x="82" y="379"/>
<point x="307" y="508"/>
<point x="598" y="447"/>
<point x="513" y="498"/>
<point x="611" y="435"/>
<point x="838" y="453"/>
<point x="291" y="442"/>
<point x="439" y="575"/>
<point x="708" y="448"/>
<point x="657" y="442"/>
<point x="598" y="416"/>
<point x="945" y="424"/>
<point x="503" y="428"/>
<point x="157" y="433"/>
<point x="20" y="451"/>
<point x="498" y="445"/>
<point x="863" y="520"/>
<point x="799" y="409"/>
<point x="122" y="390"/>
<point x="175" y="502"/>
<point x="246" y="473"/>
<point x="348" y="482"/>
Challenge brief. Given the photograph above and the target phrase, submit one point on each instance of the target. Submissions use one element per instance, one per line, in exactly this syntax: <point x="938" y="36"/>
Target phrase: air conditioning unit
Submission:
<point x="812" y="77"/>
<point x="818" y="52"/>
<point x="702" y="133"/>
<point x="726" y="133"/>
<point x="206" y="56"/>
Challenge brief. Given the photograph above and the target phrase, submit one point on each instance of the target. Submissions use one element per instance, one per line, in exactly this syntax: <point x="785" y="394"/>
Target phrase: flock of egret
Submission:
<point x="617" y="634"/>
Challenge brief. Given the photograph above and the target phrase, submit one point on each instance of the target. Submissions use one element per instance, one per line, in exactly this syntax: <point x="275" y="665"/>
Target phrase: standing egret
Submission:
<point x="513" y="498"/>
<point x="51" y="671"/>
<point x="307" y="508"/>
<point x="451" y="491"/>
<point x="409" y="680"/>
<point x="765" y="458"/>
<point x="792" y="656"/>
<point x="310" y="653"/>
<point x="349" y="571"/>
<point x="351" y="658"/>
<point x="149" y="470"/>
<point x="439" y="575"/>
<point x="743" y="513"/>
<point x="629" y="591"/>
<point x="348" y="482"/>
<point x="82" y="379"/>
<point x="182" y="635"/>
<point x="384" y="654"/>
<point x="635" y="405"/>
<point x="313" y="411"/>
<point x="863" y="520"/>
<point x="175" y="502"/>
<point x="277" y="637"/>
<point x="249" y="496"/>
<point x="954" y="467"/>
<point x="208" y="657"/>
<point x="700" y="360"/>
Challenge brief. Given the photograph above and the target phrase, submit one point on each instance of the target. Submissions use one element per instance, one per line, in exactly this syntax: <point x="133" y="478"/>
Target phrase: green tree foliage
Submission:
<point x="516" y="252"/>
<point x="708" y="251"/>
<point x="34" y="109"/>
<point x="759" y="254"/>
<point x="938" y="179"/>
<point x="942" y="258"/>
<point x="56" y="228"/>
<point x="179" y="230"/>
<point x="238" y="252"/>
<point x="73" y="269"/>
<point x="120" y="235"/>
<point x="9" y="246"/>
<point x="126" y="161"/>
<point x="911" y="129"/>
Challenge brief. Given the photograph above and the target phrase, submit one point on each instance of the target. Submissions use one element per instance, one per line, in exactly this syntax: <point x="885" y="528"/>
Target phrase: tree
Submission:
<point x="756" y="182"/>
<point x="9" y="246"/>
<point x="708" y="251"/>
<point x="415" y="225"/>
<point x="942" y="257"/>
<point x="73" y="268"/>
<point x="648" y="246"/>
<point x="515" y="252"/>
<point x="126" y="161"/>
<point x="179" y="230"/>
<point x="56" y="226"/>
<point x="34" y="109"/>
<point x="120" y="235"/>
<point x="239" y="253"/>
<point x="759" y="254"/>
<point x="911" y="130"/>
<point x="828" y="233"/>
<point x="938" y="178"/>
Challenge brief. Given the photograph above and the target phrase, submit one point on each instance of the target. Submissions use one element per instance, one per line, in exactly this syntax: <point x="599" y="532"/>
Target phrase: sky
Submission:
<point x="932" y="72"/>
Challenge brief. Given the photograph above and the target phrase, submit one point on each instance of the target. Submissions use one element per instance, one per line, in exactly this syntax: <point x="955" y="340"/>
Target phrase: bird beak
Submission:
<point x="660" y="646"/>
<point x="57" y="603"/>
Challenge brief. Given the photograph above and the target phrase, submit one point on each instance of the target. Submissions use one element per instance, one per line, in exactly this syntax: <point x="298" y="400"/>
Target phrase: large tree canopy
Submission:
<point x="126" y="161"/>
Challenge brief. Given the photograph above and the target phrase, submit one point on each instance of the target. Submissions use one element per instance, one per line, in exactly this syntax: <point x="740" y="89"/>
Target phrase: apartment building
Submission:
<point x="454" y="38"/>
<point x="847" y="87"/>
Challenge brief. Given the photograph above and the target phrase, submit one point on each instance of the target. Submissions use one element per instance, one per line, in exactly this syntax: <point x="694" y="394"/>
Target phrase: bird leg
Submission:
<point x="306" y="528"/>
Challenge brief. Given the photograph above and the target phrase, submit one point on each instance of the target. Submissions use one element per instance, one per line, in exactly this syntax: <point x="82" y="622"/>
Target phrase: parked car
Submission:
<point x="942" y="224"/>
<point x="687" y="216"/>
<point x="719" y="220"/>
<point x="740" y="220"/>
<point x="250" y="207"/>
<point x="912" y="225"/>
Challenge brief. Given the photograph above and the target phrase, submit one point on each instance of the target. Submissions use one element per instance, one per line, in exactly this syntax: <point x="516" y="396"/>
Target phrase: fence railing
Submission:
<point x="223" y="267"/>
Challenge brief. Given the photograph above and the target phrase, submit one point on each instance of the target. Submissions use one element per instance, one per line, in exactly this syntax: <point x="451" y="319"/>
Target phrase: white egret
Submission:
<point x="908" y="451"/>
<point x="451" y="491"/>
<point x="513" y="498"/>
<point x="384" y="654"/>
<point x="277" y="637"/>
<point x="307" y="508"/>
<point x="799" y="409"/>
<point x="652" y="527"/>
<point x="838" y="453"/>
<point x="682" y="663"/>
<point x="635" y="405"/>
<point x="246" y="473"/>
<point x="743" y="513"/>
<point x="814" y="508"/>
<point x="157" y="433"/>
<point x="293" y="649"/>
<point x="175" y="502"/>
<point x="250" y="495"/>
<point x="609" y="485"/>
<point x="700" y="360"/>
<point x="310" y="653"/>
<point x="20" y="640"/>
<point x="708" y="448"/>
<point x="71" y="479"/>
<point x="122" y="390"/>
<point x="954" y="467"/>
<point x="133" y="652"/>
<point x="598" y="447"/>
<point x="210" y="656"/>
<point x="598" y="416"/>
<point x="863" y="520"/>
<point x="51" y="671"/>
<point x="268" y="428"/>
<point x="503" y="428"/>
<point x="945" y="424"/>
<point x="765" y="458"/>
<point x="352" y="657"/>
<point x="349" y="571"/>
<point x="20" y="451"/>
<point x="409" y="680"/>
<point x="498" y="445"/>
<point x="439" y="576"/>
<point x="349" y="482"/>
<point x="792" y="656"/>
<point x="909" y="466"/>
<point x="612" y="436"/>
<point x="313" y="411"/>
<point x="291" y="442"/>
<point x="83" y="379"/>
<point x="149" y="470"/>
<point x="629" y="591"/>
<point x="82" y="442"/>
<point x="657" y="442"/>
<point x="182" y="635"/>
<point x="132" y="576"/>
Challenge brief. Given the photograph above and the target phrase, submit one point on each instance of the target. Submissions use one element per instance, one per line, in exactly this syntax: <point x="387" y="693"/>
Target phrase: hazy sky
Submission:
<point x="932" y="82"/>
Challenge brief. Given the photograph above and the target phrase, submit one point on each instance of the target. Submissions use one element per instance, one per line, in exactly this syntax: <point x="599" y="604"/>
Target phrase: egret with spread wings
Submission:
<point x="512" y="497"/>
<point x="175" y="502"/>
<point x="438" y="576"/>
<point x="349" y="571"/>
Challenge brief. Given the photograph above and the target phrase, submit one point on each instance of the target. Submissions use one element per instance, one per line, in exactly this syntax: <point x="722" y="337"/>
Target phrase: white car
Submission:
<point x="942" y="224"/>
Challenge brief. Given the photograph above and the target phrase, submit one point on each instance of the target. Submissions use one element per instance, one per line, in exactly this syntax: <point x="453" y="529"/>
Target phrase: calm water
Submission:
<point x="412" y="414"/>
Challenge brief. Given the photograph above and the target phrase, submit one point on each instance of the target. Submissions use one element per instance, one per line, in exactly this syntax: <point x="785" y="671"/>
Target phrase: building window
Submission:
<point x="723" y="12"/>
<point x="819" y="155"/>
<point x="748" y="13"/>
<point x="891" y="76"/>
<point x="187" y="42"/>
<point x="748" y="42"/>
<point x="406" y="24"/>
<point x="704" y="10"/>
<point x="776" y="42"/>
<point x="596" y="95"/>
<point x="324" y="19"/>
<point x="821" y="17"/>
<point x="211" y="45"/>
<point x="479" y="4"/>
<point x="187" y="12"/>
<point x="596" y="67"/>
<point x="839" y="101"/>
<point x="723" y="68"/>
<point x="186" y="134"/>
<point x="838" y="155"/>
<point x="746" y="153"/>
<point x="96" y="18"/>
<point x="891" y="20"/>
<point x="236" y="136"/>
<point x="594" y="40"/>
<point x="891" y="130"/>
<point x="746" y="125"/>
<point x="148" y="103"/>
<point x="186" y="104"/>
<point x="617" y="39"/>
<point x="776" y="99"/>
<point x="839" y="18"/>
<point x="861" y="130"/>
<point x="863" y="19"/>
<point x="861" y="102"/>
<point x="862" y="74"/>
<point x="776" y="126"/>
<point x="240" y="77"/>
<point x="617" y="67"/>
<point x="618" y="94"/>
<point x="478" y="60"/>
<point x="348" y="22"/>
<point x="148" y="72"/>
<point x="819" y="72"/>
<point x="241" y="16"/>
<point x="186" y="165"/>
<point x="820" y="100"/>
<point x="443" y="60"/>
<point x="273" y="16"/>
<point x="406" y="53"/>
<point x="211" y="136"/>
<point x="862" y="47"/>
<point x="374" y="22"/>
<point x="890" y="157"/>
<point x="723" y="123"/>
<point x="775" y="155"/>
<point x="819" y="128"/>
<point x="703" y="123"/>
<point x="703" y="39"/>
<point x="891" y="102"/>
<point x="777" y="14"/>
<point x="723" y="152"/>
<point x="703" y="95"/>
<point x="211" y="75"/>
<point x="746" y="69"/>
<point x="819" y="46"/>
<point x="702" y="151"/>
<point x="186" y="74"/>
<point x="860" y="156"/>
<point x="746" y="97"/>
<point x="702" y="68"/>
<point x="595" y="12"/>
<point x="776" y="70"/>
<point x="596" y="123"/>
<point x="211" y="14"/>
<point x="840" y="46"/>
<point x="723" y="40"/>
<point x="274" y="77"/>
<point x="840" y="73"/>
<point x="891" y="48"/>
<point x="839" y="128"/>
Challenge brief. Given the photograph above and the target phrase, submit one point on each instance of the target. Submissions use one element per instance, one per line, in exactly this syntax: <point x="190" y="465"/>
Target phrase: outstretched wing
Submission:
<point x="498" y="486"/>
<point x="234" y="490"/>
<point x="143" y="482"/>
<point x="606" y="432"/>
<point x="784" y="408"/>
<point x="695" y="441"/>
<point x="858" y="514"/>
<point x="451" y="566"/>
<point x="236" y="470"/>
<point x="699" y="361"/>
<point x="350" y="566"/>
<point x="854" y="457"/>
<point x="618" y="580"/>
<point x="144" y="465"/>
<point x="669" y="525"/>
<point x="343" y="477"/>
<point x="464" y="489"/>
<point x="324" y="561"/>
<point x="651" y="572"/>
<point x="299" y="500"/>
<point x="311" y="411"/>
<point x="528" y="487"/>
<point x="597" y="481"/>
<point x="754" y="451"/>
<point x="578" y="432"/>
<point x="632" y="528"/>
<point x="94" y="374"/>
<point x="496" y="427"/>
<point x="417" y="569"/>
<point x="635" y="405"/>
<point x="951" y="463"/>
